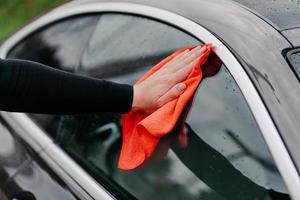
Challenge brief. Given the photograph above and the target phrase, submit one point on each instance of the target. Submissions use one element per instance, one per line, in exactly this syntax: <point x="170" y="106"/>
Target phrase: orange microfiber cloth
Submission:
<point x="142" y="131"/>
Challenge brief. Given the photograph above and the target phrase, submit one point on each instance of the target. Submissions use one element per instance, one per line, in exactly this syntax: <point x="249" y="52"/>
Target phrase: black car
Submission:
<point x="242" y="129"/>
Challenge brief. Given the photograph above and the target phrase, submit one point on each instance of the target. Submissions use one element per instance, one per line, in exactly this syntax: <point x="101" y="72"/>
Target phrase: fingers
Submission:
<point x="186" y="53"/>
<point x="168" y="80"/>
<point x="186" y="58"/>
<point x="171" y="94"/>
<point x="175" y="60"/>
<point x="194" y="55"/>
<point x="189" y="53"/>
<point x="180" y="56"/>
<point x="183" y="73"/>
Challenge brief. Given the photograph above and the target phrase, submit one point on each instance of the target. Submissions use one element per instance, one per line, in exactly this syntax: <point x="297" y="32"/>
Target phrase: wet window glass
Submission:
<point x="221" y="155"/>
<point x="293" y="58"/>
<point x="58" y="45"/>
<point x="123" y="43"/>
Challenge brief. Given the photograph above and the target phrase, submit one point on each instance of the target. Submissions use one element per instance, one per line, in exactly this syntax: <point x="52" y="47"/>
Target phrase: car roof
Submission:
<point x="283" y="14"/>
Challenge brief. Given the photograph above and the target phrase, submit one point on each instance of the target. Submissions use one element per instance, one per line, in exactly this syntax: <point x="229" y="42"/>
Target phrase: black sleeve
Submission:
<point x="35" y="88"/>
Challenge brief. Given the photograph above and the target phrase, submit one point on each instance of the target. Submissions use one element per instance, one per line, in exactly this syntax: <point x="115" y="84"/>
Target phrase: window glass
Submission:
<point x="124" y="43"/>
<point x="58" y="45"/>
<point x="293" y="58"/>
<point x="222" y="156"/>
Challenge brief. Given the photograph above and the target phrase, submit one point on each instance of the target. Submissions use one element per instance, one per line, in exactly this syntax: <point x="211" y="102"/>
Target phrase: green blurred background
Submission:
<point x="16" y="13"/>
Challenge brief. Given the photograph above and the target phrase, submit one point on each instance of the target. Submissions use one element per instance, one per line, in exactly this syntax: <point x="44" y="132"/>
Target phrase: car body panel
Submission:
<point x="281" y="13"/>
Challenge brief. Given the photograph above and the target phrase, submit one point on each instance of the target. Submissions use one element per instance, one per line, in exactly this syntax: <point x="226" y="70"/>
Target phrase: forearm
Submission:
<point x="35" y="88"/>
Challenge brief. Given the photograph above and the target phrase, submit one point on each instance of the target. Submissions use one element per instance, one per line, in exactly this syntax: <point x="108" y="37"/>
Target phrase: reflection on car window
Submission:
<point x="124" y="43"/>
<point x="57" y="45"/>
<point x="225" y="156"/>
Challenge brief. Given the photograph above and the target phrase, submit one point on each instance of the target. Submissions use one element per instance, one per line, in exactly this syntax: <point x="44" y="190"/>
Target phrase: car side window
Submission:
<point x="222" y="154"/>
<point x="58" y="45"/>
<point x="123" y="43"/>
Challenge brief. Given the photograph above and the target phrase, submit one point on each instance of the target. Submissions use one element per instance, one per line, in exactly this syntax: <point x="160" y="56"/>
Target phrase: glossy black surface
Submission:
<point x="283" y="13"/>
<point x="258" y="46"/>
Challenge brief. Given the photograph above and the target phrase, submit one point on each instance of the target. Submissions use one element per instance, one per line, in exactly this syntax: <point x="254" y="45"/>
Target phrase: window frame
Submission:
<point x="257" y="107"/>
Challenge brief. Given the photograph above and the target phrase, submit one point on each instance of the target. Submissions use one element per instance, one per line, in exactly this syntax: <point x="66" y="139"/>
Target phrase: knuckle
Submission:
<point x="178" y="87"/>
<point x="177" y="90"/>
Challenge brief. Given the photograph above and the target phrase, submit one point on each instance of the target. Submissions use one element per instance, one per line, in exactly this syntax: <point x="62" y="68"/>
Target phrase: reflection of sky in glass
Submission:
<point x="42" y="184"/>
<point x="12" y="153"/>
<point x="6" y="142"/>
<point x="14" y="158"/>
<point x="119" y="38"/>
<point x="69" y="38"/>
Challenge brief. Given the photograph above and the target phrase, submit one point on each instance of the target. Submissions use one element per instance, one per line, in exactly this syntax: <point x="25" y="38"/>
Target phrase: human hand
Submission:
<point x="166" y="83"/>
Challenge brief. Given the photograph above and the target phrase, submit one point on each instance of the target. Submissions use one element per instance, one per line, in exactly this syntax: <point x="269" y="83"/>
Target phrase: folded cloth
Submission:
<point x="142" y="131"/>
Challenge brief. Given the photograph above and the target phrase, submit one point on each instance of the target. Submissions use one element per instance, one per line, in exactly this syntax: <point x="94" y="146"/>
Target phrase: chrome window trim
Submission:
<point x="269" y="131"/>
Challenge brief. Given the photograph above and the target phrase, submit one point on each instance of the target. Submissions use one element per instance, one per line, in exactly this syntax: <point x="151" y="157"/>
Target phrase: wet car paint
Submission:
<point x="284" y="14"/>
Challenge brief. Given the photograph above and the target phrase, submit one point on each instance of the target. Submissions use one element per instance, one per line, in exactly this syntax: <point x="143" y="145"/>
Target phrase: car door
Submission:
<point x="223" y="154"/>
